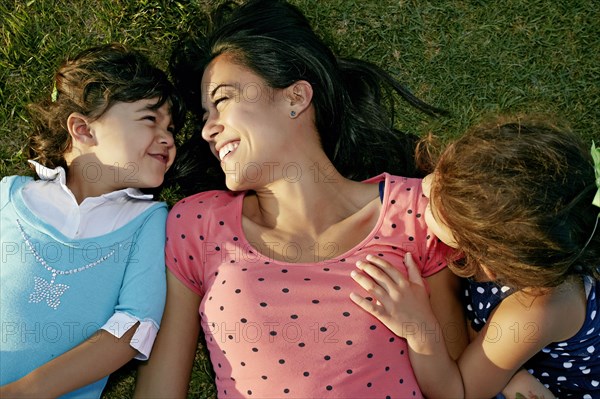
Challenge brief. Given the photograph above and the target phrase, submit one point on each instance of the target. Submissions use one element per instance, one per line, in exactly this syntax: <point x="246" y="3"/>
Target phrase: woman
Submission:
<point x="267" y="262"/>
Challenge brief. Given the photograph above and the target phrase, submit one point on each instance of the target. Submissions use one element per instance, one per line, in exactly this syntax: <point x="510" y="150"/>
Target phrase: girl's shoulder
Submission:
<point x="10" y="184"/>
<point x="558" y="314"/>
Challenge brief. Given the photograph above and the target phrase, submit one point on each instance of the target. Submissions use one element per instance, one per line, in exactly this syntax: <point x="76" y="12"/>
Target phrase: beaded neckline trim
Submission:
<point x="50" y="291"/>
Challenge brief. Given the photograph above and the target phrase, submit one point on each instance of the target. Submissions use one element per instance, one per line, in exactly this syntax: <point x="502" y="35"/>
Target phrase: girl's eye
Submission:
<point x="171" y="129"/>
<point x="151" y="118"/>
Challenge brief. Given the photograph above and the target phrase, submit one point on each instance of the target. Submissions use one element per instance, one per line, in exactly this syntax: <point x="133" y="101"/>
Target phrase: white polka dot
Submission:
<point x="591" y="349"/>
<point x="567" y="365"/>
<point x="545" y="374"/>
<point x="595" y="383"/>
<point x="546" y="350"/>
<point x="587" y="396"/>
<point x="562" y="344"/>
<point x="504" y="289"/>
<point x="495" y="290"/>
<point x="480" y="306"/>
<point x="561" y="378"/>
<point x="469" y="307"/>
<point x="591" y="330"/>
<point x="480" y="290"/>
<point x="554" y="355"/>
<point x="593" y="315"/>
<point x="488" y="305"/>
<point x="586" y="371"/>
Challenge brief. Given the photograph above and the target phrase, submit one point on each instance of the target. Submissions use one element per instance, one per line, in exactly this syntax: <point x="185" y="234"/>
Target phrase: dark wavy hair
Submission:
<point x="90" y="83"/>
<point x="517" y="196"/>
<point x="354" y="100"/>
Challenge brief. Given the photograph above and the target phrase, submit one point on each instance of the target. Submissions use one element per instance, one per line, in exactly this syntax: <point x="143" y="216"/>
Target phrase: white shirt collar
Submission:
<point x="59" y="175"/>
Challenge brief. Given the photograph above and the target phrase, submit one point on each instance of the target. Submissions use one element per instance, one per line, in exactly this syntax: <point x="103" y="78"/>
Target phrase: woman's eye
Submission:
<point x="151" y="118"/>
<point x="219" y="100"/>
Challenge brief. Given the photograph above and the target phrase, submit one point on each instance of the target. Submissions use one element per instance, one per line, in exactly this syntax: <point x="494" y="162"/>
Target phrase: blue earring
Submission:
<point x="293" y="114"/>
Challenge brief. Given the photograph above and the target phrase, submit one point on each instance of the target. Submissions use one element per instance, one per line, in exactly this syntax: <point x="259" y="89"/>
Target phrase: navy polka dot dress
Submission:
<point x="570" y="369"/>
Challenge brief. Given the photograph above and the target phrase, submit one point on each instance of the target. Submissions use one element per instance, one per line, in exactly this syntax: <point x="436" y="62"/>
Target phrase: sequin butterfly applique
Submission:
<point x="48" y="290"/>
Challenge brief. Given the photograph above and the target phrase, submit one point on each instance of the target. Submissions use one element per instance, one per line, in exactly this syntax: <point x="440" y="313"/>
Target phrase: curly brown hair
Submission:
<point x="517" y="196"/>
<point x="90" y="83"/>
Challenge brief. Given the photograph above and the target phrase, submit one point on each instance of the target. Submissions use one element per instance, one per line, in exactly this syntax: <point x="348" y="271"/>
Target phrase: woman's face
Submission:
<point x="432" y="217"/>
<point x="246" y="124"/>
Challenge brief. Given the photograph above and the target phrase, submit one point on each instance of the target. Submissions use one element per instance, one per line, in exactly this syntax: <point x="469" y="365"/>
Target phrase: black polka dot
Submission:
<point x="285" y="290"/>
<point x="323" y="329"/>
<point x="217" y="248"/>
<point x="348" y="342"/>
<point x="387" y="368"/>
<point x="369" y="385"/>
<point x="401" y="381"/>
<point x="243" y="320"/>
<point x="243" y="364"/>
<point x="393" y="225"/>
<point x="349" y="371"/>
<point x="294" y="316"/>
<point x="178" y="215"/>
<point x="238" y="291"/>
<point x="370" y="355"/>
<point x="254" y="350"/>
<point x="315" y="301"/>
<point x="284" y="271"/>
<point x="202" y="237"/>
<point x="191" y="257"/>
<point x="199" y="216"/>
<point x="183" y="236"/>
<point x="346" y="314"/>
<point x="286" y="391"/>
<point x="392" y="339"/>
<point x="261" y="279"/>
<point x="302" y="344"/>
<point x="221" y="223"/>
<point x="393" y="202"/>
<point x="337" y="287"/>
<point x="249" y="392"/>
<point x="264" y="377"/>
<point x="263" y="304"/>
<point x="306" y="374"/>
<point x="329" y="387"/>
<point x="273" y="333"/>
<point x="281" y="361"/>
<point x="327" y="357"/>
<point x="373" y="327"/>
<point x="409" y="211"/>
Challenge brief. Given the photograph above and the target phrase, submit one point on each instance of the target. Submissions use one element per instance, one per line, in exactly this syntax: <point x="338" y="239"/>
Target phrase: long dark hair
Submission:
<point x="354" y="100"/>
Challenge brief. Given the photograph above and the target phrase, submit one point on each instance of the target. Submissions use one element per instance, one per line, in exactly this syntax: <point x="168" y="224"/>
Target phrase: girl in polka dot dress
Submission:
<point x="82" y="274"/>
<point x="266" y="264"/>
<point x="520" y="200"/>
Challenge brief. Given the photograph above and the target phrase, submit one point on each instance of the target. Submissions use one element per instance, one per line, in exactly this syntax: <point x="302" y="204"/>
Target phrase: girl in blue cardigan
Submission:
<point x="82" y="270"/>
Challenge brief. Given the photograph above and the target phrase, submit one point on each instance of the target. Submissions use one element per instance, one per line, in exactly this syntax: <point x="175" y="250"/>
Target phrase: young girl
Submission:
<point x="518" y="200"/>
<point x="82" y="271"/>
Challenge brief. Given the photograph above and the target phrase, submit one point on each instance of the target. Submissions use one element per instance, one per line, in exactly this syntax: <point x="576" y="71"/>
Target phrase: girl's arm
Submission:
<point x="524" y="385"/>
<point x="444" y="289"/>
<point x="513" y="334"/>
<point x="92" y="360"/>
<point x="167" y="373"/>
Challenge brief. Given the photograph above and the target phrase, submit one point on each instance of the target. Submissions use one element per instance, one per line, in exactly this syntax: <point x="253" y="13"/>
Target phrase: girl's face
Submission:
<point x="246" y="123"/>
<point x="134" y="144"/>
<point x="433" y="219"/>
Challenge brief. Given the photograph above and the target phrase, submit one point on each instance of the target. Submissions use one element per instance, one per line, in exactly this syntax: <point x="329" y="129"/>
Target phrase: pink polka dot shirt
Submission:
<point x="279" y="329"/>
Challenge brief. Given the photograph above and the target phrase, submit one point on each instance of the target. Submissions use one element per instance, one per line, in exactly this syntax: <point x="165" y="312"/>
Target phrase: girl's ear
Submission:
<point x="79" y="129"/>
<point x="300" y="95"/>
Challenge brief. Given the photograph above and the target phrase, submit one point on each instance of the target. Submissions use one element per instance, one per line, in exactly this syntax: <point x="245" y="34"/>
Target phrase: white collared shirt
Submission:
<point x="52" y="201"/>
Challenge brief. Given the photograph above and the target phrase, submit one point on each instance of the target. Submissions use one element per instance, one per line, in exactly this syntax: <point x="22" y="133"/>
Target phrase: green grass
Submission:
<point x="472" y="57"/>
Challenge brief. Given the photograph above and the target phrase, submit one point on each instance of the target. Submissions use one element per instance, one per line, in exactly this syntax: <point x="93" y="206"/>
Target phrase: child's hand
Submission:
<point x="402" y="303"/>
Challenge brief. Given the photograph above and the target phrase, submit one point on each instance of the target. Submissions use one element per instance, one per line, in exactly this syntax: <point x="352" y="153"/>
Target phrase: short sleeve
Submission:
<point x="183" y="249"/>
<point x="143" y="292"/>
<point x="410" y="203"/>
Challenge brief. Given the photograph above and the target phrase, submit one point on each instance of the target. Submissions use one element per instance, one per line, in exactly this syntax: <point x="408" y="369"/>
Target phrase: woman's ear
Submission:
<point x="299" y="95"/>
<point x="79" y="129"/>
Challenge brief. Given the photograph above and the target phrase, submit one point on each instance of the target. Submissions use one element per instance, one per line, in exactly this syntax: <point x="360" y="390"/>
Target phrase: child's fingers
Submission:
<point x="414" y="275"/>
<point x="370" y="306"/>
<point x="393" y="273"/>
<point x="376" y="274"/>
<point x="369" y="284"/>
